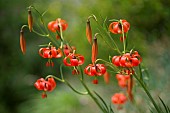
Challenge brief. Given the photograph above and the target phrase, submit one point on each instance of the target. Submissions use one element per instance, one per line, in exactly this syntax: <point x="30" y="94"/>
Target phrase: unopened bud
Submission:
<point x="22" y="42"/>
<point x="88" y="32"/>
<point x="30" y="20"/>
<point x="94" y="50"/>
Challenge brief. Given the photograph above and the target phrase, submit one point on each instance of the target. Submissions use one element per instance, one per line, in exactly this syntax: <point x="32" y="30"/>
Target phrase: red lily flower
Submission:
<point x="116" y="27"/>
<point x="95" y="70"/>
<point x="127" y="60"/>
<point x="73" y="60"/>
<point x="50" y="52"/>
<point x="55" y="25"/>
<point x="122" y="80"/>
<point x="119" y="98"/>
<point x="42" y="84"/>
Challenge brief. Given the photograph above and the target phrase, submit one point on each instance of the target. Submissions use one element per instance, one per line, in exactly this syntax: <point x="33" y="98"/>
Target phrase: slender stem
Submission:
<point x="61" y="31"/>
<point x="24" y="27"/>
<point x="68" y="84"/>
<point x="147" y="92"/>
<point x="61" y="71"/>
<point x="124" y="43"/>
<point x="140" y="73"/>
<point x="110" y="64"/>
<point x="92" y="96"/>
<point x="61" y="80"/>
<point x="40" y="33"/>
<point x="78" y="92"/>
<point x="81" y="71"/>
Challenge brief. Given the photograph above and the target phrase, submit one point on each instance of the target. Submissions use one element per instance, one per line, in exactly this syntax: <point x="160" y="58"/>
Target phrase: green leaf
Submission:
<point x="104" y="103"/>
<point x="166" y="107"/>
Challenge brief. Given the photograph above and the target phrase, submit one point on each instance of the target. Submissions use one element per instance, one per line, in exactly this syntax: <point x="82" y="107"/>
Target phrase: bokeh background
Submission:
<point x="149" y="34"/>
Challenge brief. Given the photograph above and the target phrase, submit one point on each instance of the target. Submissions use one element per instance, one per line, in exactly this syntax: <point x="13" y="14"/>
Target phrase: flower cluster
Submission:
<point x="127" y="60"/>
<point x="122" y="64"/>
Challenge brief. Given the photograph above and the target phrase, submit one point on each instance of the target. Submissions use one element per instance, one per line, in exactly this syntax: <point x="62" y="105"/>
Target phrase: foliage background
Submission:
<point x="150" y="34"/>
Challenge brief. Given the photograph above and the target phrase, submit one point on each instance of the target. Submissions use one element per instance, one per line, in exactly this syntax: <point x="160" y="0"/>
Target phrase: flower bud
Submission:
<point x="30" y="20"/>
<point x="129" y="88"/>
<point x="22" y="42"/>
<point x="94" y="50"/>
<point x="88" y="32"/>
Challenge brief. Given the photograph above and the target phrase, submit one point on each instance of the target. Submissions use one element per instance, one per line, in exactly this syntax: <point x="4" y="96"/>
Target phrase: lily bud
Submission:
<point x="22" y="42"/>
<point x="106" y="77"/>
<point x="129" y="88"/>
<point x="88" y="32"/>
<point x="94" y="49"/>
<point x="30" y="20"/>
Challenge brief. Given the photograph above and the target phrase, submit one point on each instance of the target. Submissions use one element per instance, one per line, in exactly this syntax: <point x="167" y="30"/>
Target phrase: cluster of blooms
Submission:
<point x="124" y="62"/>
<point x="127" y="60"/>
<point x="42" y="84"/>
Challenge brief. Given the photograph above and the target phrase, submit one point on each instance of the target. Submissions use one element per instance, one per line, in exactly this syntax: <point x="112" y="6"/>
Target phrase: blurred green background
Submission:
<point x="149" y="34"/>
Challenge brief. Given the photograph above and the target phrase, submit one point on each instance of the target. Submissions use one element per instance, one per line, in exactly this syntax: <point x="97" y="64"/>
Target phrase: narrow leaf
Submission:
<point x="164" y="105"/>
<point x="104" y="103"/>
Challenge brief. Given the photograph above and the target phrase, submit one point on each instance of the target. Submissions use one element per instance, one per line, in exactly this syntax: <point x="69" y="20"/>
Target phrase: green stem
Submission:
<point x="81" y="71"/>
<point x="61" y="71"/>
<point x="68" y="84"/>
<point x="40" y="33"/>
<point x="110" y="64"/>
<point x="92" y="96"/>
<point x="78" y="92"/>
<point x="61" y="80"/>
<point x="140" y="73"/>
<point x="124" y="43"/>
<point x="24" y="27"/>
<point x="147" y="92"/>
<point x="108" y="34"/>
